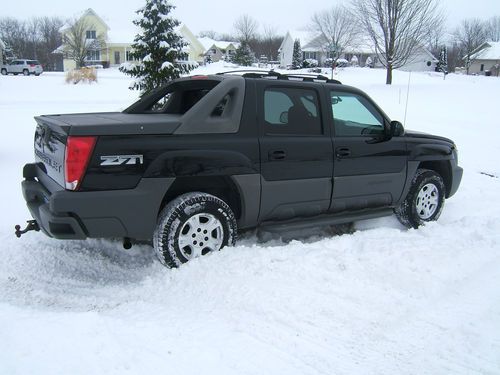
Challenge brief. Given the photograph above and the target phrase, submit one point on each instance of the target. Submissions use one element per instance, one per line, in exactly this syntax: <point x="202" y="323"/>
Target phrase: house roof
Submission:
<point x="87" y="12"/>
<point x="487" y="51"/>
<point x="208" y="43"/>
<point x="121" y="30"/>
<point x="309" y="42"/>
<point x="304" y="36"/>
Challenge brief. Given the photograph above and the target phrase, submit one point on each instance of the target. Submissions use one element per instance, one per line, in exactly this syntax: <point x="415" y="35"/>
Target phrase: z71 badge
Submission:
<point x="121" y="160"/>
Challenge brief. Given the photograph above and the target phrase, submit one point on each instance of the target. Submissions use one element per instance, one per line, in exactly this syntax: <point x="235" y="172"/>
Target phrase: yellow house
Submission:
<point x="116" y="46"/>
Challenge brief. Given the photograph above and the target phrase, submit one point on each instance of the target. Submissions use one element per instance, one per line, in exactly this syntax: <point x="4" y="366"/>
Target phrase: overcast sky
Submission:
<point x="219" y="15"/>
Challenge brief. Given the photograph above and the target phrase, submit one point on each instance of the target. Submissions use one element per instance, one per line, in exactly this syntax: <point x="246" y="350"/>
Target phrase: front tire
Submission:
<point x="193" y="225"/>
<point x="4" y="72"/>
<point x="424" y="201"/>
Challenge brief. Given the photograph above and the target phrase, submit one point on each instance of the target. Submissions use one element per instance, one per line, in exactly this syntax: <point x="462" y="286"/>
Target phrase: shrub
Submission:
<point x="84" y="75"/>
<point x="310" y="63"/>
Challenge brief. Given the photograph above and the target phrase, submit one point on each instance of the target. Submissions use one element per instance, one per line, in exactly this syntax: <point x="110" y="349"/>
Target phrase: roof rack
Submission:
<point x="253" y="73"/>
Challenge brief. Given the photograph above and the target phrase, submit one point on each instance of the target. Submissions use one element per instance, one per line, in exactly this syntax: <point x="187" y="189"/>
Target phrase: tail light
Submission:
<point x="78" y="152"/>
<point x="32" y="65"/>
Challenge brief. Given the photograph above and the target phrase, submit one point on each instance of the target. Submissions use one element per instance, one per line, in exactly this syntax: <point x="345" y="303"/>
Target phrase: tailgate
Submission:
<point x="50" y="147"/>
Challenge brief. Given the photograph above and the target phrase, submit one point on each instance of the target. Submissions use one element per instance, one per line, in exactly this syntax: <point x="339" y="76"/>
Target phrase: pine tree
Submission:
<point x="442" y="65"/>
<point x="158" y="47"/>
<point x="244" y="55"/>
<point x="297" y="55"/>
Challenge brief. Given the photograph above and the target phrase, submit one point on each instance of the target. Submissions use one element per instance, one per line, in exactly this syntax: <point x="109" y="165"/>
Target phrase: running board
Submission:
<point x="324" y="220"/>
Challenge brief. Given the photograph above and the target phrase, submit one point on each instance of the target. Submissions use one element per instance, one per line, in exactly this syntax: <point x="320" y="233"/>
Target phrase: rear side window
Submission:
<point x="33" y="62"/>
<point x="291" y="111"/>
<point x="178" y="100"/>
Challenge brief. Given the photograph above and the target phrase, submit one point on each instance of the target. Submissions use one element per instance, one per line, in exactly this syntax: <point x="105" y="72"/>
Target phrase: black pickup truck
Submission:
<point x="193" y="162"/>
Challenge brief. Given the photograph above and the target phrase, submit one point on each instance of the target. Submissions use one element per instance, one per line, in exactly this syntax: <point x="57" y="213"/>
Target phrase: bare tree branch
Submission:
<point x="397" y="27"/>
<point x="470" y="35"/>
<point x="493" y="29"/>
<point x="246" y="28"/>
<point x="76" y="43"/>
<point x="336" y="31"/>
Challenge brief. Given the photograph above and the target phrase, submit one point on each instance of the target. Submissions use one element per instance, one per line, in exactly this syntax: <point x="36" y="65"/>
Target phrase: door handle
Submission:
<point x="277" y="155"/>
<point x="342" y="152"/>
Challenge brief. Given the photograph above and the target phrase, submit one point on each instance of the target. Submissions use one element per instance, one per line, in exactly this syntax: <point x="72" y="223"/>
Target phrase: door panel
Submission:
<point x="372" y="175"/>
<point x="369" y="169"/>
<point x="296" y="153"/>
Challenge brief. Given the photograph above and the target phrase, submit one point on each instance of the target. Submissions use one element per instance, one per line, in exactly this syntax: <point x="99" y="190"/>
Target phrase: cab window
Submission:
<point x="354" y="115"/>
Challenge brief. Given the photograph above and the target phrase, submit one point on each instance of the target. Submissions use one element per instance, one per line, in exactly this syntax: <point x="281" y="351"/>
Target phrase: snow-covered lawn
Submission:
<point x="383" y="300"/>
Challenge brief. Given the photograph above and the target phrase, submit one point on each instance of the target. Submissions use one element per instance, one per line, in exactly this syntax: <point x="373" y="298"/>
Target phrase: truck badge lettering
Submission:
<point x="121" y="160"/>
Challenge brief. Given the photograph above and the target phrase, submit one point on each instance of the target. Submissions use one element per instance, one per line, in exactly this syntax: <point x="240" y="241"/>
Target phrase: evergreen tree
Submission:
<point x="243" y="55"/>
<point x="158" y="47"/>
<point x="442" y="65"/>
<point x="297" y="55"/>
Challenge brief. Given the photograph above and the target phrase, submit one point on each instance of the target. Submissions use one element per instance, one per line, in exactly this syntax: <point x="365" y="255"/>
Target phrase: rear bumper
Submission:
<point x="99" y="214"/>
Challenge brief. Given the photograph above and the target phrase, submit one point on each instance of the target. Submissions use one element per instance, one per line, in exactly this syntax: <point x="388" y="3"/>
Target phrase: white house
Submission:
<point x="422" y="60"/>
<point x="486" y="59"/>
<point x="313" y="47"/>
<point x="362" y="49"/>
<point x="309" y="50"/>
<point x="217" y="50"/>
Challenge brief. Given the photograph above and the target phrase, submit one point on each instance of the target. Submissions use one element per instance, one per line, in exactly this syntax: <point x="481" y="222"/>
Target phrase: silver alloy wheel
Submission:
<point x="200" y="234"/>
<point x="427" y="201"/>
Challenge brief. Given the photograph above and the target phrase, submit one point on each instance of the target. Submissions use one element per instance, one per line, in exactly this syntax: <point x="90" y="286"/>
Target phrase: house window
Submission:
<point x="309" y="55"/>
<point x="213" y="51"/>
<point x="90" y="34"/>
<point x="93" y="55"/>
<point x="129" y="56"/>
<point x="482" y="67"/>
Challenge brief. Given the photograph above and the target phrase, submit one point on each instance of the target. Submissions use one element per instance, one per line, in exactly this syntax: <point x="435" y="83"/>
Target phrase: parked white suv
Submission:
<point x="22" y="66"/>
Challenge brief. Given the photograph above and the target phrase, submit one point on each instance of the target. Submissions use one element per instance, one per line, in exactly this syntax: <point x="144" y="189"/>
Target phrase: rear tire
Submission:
<point x="193" y="225"/>
<point x="424" y="201"/>
<point x="26" y="72"/>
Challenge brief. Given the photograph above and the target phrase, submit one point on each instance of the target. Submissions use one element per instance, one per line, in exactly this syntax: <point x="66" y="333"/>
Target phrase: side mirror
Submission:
<point x="396" y="129"/>
<point x="284" y="117"/>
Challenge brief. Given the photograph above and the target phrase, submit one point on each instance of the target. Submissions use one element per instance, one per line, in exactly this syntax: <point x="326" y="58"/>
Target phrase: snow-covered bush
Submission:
<point x="369" y="62"/>
<point x="310" y="63"/>
<point x="341" y="63"/>
<point x="84" y="75"/>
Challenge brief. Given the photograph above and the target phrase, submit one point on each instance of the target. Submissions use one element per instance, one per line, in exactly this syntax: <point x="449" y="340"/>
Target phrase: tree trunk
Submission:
<point x="388" y="80"/>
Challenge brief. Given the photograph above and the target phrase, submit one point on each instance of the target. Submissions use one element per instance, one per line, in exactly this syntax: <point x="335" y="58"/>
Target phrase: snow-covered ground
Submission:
<point x="384" y="300"/>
